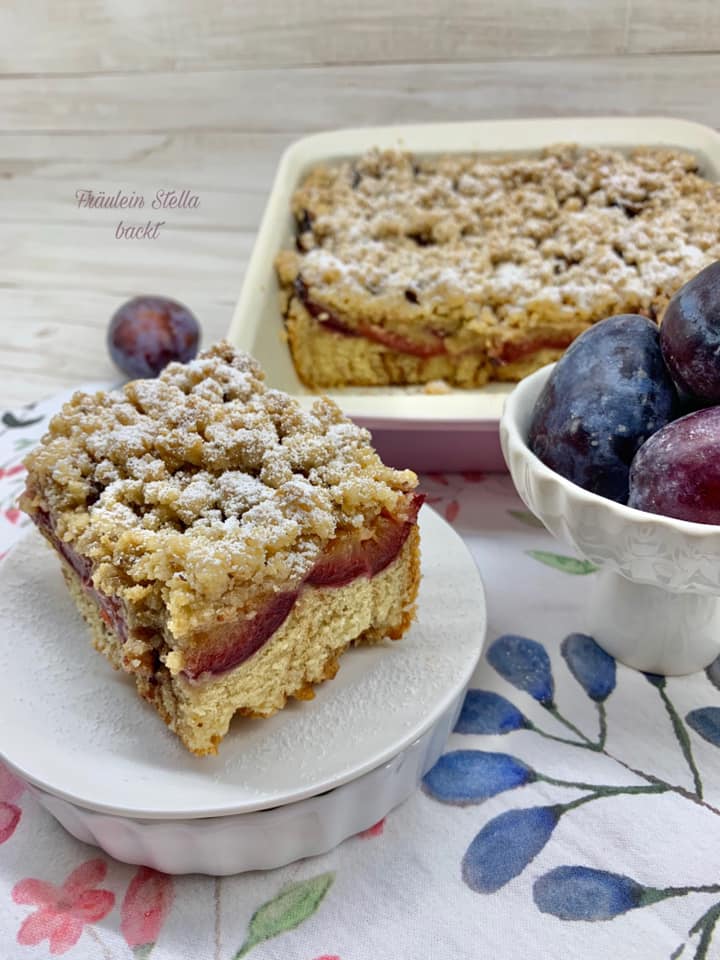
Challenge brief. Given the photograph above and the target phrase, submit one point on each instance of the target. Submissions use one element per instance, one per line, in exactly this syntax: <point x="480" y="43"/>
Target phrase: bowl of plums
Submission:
<point x="616" y="448"/>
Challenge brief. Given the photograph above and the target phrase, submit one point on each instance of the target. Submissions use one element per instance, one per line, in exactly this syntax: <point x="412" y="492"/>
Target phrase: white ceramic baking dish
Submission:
<point x="458" y="430"/>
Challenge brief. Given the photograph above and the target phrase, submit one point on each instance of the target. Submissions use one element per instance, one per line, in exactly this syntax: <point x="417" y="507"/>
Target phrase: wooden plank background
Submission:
<point x="133" y="95"/>
<point x="101" y="36"/>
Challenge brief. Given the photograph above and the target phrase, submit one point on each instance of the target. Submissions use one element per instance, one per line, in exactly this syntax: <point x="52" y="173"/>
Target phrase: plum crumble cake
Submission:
<point x="472" y="268"/>
<point x="224" y="546"/>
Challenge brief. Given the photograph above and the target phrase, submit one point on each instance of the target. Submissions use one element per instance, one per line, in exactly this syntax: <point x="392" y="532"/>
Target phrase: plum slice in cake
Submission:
<point x="224" y="545"/>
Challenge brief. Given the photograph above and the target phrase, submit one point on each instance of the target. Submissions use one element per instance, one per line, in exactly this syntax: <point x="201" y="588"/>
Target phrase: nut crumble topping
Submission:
<point x="469" y="245"/>
<point x="204" y="484"/>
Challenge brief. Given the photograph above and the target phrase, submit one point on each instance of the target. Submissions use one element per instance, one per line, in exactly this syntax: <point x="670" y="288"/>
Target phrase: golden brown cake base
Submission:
<point x="224" y="544"/>
<point x="304" y="651"/>
<point x="325" y="359"/>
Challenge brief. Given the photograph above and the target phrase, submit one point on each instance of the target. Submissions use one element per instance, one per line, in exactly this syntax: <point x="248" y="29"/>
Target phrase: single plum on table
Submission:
<point x="677" y="471"/>
<point x="147" y="333"/>
<point x="690" y="337"/>
<point x="607" y="394"/>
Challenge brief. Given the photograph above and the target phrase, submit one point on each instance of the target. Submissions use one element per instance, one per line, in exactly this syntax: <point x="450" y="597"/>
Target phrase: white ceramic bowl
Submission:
<point x="655" y="603"/>
<point x="265" y="839"/>
<point x="411" y="428"/>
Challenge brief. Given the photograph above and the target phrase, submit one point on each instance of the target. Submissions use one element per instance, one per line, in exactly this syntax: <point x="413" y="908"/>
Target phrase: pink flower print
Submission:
<point x="375" y="830"/>
<point x="473" y="476"/>
<point x="147" y="902"/>
<point x="452" y="510"/>
<point x="328" y="956"/>
<point x="11" y="471"/>
<point x="10" y="789"/>
<point x="9" y="819"/>
<point x="13" y="514"/>
<point x="63" y="911"/>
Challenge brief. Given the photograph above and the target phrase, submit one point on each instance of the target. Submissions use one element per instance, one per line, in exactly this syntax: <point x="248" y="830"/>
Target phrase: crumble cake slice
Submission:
<point x="469" y="268"/>
<point x="224" y="546"/>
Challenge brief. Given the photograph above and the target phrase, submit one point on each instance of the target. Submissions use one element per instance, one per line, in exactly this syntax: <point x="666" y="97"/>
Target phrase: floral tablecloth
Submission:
<point x="575" y="812"/>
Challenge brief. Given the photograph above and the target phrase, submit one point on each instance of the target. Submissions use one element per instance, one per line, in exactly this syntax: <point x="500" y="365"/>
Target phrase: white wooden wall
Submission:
<point x="104" y="36"/>
<point x="205" y="94"/>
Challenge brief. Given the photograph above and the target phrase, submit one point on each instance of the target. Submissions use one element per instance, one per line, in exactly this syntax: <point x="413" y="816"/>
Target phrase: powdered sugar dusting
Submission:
<point x="488" y="245"/>
<point x="203" y="484"/>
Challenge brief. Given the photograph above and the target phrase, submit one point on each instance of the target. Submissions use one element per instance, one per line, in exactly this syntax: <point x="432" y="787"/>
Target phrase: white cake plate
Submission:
<point x="264" y="839"/>
<point x="103" y="763"/>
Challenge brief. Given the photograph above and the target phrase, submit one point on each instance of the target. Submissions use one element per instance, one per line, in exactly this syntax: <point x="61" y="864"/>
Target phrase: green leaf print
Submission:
<point x="143" y="951"/>
<point x="526" y="517"/>
<point x="286" y="911"/>
<point x="565" y="564"/>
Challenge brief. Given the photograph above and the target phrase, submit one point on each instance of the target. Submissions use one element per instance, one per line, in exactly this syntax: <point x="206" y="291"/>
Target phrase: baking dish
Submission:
<point x="457" y="430"/>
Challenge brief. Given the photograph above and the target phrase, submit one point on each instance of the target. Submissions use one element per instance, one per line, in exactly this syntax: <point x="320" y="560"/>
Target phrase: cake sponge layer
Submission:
<point x="324" y="358"/>
<point x="304" y="651"/>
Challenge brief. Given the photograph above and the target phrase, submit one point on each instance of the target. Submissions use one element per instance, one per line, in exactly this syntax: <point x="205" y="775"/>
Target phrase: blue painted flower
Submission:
<point x="706" y="722"/>
<point x="656" y="679"/>
<point x="580" y="893"/>
<point x="506" y="845"/>
<point x="593" y="669"/>
<point x="713" y="673"/>
<point x="470" y="776"/>
<point x="525" y="664"/>
<point x="486" y="712"/>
